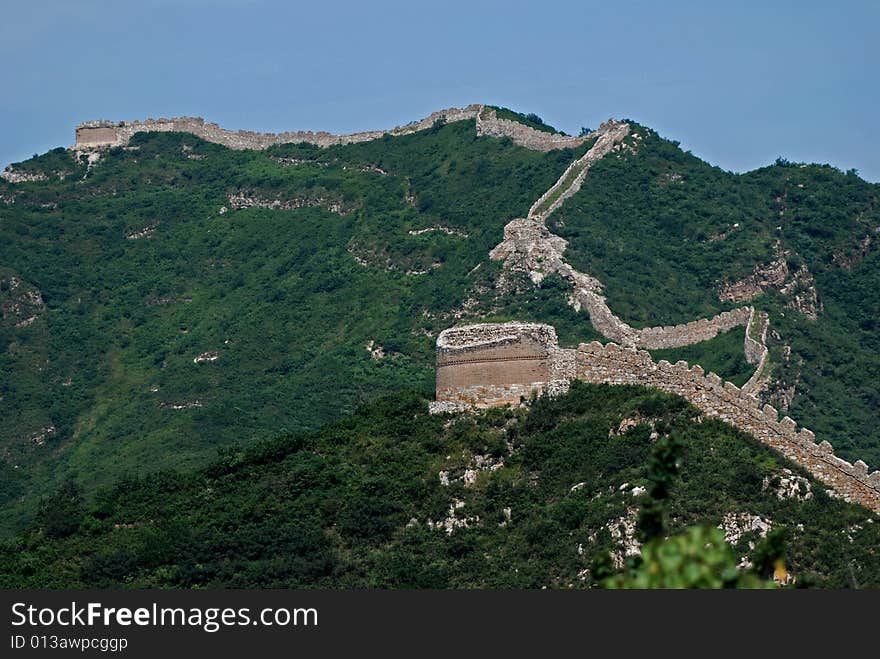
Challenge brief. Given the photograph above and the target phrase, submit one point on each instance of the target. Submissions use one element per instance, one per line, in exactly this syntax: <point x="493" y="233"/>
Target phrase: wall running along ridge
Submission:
<point x="103" y="133"/>
<point x="502" y="363"/>
<point x="490" y="125"/>
<point x="107" y="133"/>
<point x="529" y="247"/>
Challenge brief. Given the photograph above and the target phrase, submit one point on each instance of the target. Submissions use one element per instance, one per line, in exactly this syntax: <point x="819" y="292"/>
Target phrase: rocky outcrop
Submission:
<point x="802" y="294"/>
<point x="788" y="485"/>
<point x="242" y="200"/>
<point x="449" y="231"/>
<point x="847" y="260"/>
<point x="797" y="286"/>
<point x="20" y="303"/>
<point x="144" y="232"/>
<point x="763" y="277"/>
<point x="15" y="176"/>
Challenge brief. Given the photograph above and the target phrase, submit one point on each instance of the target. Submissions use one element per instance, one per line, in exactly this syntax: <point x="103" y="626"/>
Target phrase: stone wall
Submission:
<point x="500" y="348"/>
<point x="490" y="125"/>
<point x="665" y="336"/>
<point x="104" y="133"/>
<point x="494" y="364"/>
<point x="529" y="247"/>
<point x="610" y="134"/>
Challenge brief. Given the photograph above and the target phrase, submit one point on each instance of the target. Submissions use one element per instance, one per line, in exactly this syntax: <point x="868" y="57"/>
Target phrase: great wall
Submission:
<point x="497" y="364"/>
<point x="103" y="133"/>
<point x="494" y="364"/>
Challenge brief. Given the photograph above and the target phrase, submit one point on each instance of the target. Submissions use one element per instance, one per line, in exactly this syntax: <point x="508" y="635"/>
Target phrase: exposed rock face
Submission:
<point x="787" y="485"/>
<point x="623" y="534"/>
<point x="208" y="356"/>
<point x="770" y="276"/>
<point x="797" y="286"/>
<point x="39" y="437"/>
<point x="449" y="231"/>
<point x="453" y="521"/>
<point x="14" y="176"/>
<point x="848" y="260"/>
<point x="376" y="351"/>
<point x="20" y="304"/>
<point x="530" y="248"/>
<point x="802" y="294"/>
<point x="502" y="363"/>
<point x="736" y="525"/>
<point x="469" y="473"/>
<point x="186" y="405"/>
<point x="243" y="200"/>
<point x="145" y="232"/>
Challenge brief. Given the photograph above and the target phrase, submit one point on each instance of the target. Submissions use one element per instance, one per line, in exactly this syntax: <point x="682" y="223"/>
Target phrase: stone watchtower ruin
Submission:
<point x="498" y="363"/>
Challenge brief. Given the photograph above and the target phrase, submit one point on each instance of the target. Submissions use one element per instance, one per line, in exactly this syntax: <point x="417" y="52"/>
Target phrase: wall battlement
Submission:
<point x="501" y="363"/>
<point x="104" y="133"/>
<point x="109" y="133"/>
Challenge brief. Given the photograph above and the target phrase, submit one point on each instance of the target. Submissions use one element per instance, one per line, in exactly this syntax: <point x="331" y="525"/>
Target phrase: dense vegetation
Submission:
<point x="289" y="299"/>
<point x="353" y="505"/>
<point x="103" y="382"/>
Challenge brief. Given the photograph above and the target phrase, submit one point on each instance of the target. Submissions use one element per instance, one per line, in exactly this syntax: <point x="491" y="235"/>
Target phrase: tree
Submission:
<point x="697" y="558"/>
<point x="663" y="466"/>
<point x="60" y="515"/>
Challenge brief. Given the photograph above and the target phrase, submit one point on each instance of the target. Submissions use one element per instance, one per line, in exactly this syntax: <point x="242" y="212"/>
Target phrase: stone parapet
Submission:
<point x="505" y="363"/>
<point x="103" y="133"/>
<point x="490" y="125"/>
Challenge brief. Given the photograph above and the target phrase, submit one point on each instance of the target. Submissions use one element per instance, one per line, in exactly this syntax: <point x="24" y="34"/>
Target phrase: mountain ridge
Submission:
<point x="152" y="308"/>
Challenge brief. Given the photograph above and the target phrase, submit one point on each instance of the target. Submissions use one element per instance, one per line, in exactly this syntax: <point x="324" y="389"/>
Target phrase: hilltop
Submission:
<point x="164" y="295"/>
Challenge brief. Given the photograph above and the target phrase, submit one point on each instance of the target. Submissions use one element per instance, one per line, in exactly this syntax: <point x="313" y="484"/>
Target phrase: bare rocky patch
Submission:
<point x="243" y="200"/>
<point x="20" y="304"/>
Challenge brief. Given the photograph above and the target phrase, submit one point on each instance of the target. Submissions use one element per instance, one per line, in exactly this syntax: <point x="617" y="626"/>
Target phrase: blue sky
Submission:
<point x="737" y="83"/>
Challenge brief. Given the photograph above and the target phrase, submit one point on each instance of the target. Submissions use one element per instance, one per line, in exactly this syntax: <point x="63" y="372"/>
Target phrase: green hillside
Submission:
<point x="391" y="497"/>
<point x="147" y="322"/>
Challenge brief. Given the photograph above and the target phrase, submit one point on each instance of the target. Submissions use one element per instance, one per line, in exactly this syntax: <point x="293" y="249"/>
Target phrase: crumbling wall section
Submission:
<point x="105" y="133"/>
<point x="490" y="125"/>
<point x="494" y="363"/>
